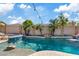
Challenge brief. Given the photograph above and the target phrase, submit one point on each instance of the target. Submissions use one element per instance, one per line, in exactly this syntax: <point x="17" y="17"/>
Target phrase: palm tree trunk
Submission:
<point x="53" y="32"/>
<point x="20" y="29"/>
<point x="25" y="32"/>
<point x="33" y="31"/>
<point x="28" y="32"/>
<point x="41" y="32"/>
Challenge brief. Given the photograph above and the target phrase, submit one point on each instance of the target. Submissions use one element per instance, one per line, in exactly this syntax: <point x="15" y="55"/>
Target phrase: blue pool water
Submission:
<point x="39" y="44"/>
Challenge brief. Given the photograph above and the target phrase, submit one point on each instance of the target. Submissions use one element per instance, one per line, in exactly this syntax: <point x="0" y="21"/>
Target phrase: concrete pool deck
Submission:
<point x="29" y="52"/>
<point x="51" y="53"/>
<point x="17" y="52"/>
<point x="1" y="41"/>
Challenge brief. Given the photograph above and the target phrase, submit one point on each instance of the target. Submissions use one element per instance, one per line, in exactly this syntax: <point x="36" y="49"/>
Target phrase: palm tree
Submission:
<point x="27" y="25"/>
<point x="53" y="25"/>
<point x="62" y="22"/>
<point x="39" y="26"/>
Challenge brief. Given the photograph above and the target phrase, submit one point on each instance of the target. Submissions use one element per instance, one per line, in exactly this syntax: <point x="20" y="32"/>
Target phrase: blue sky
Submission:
<point x="19" y="12"/>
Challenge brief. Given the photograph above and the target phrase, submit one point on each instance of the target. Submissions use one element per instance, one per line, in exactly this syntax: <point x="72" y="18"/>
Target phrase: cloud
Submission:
<point x="16" y="20"/>
<point x="61" y="8"/>
<point x="73" y="7"/>
<point x="66" y="15"/>
<point x="71" y="11"/>
<point x="11" y="17"/>
<point x="73" y="19"/>
<point x="23" y="6"/>
<point x="4" y="8"/>
<point x="28" y="6"/>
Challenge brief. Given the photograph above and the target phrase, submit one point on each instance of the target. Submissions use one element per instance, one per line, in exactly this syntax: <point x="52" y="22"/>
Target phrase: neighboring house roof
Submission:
<point x="2" y="24"/>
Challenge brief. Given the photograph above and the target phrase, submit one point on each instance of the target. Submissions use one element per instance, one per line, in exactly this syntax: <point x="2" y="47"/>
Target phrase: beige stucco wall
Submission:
<point x="10" y="29"/>
<point x="77" y="29"/>
<point x="57" y="32"/>
<point x="37" y="32"/>
<point x="45" y="30"/>
<point x="68" y="30"/>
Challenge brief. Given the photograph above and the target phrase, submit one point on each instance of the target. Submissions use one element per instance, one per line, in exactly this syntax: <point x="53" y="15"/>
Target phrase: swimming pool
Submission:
<point x="41" y="43"/>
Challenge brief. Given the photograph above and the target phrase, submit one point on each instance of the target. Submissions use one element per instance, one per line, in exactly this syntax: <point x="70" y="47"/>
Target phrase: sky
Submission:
<point x="17" y="13"/>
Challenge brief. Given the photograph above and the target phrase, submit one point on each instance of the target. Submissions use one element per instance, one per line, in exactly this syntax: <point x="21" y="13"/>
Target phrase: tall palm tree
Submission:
<point x="27" y="25"/>
<point x="53" y="25"/>
<point x="62" y="22"/>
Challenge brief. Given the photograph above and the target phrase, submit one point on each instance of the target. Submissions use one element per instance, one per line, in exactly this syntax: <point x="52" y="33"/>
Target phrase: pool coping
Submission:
<point x="1" y="41"/>
<point x="51" y="53"/>
<point x="49" y="37"/>
<point x="15" y="36"/>
<point x="69" y="37"/>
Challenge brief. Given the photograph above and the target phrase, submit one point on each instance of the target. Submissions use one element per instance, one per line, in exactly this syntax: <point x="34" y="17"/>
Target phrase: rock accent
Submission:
<point x="10" y="48"/>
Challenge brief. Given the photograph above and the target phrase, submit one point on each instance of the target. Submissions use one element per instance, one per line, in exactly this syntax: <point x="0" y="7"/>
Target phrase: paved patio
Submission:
<point x="17" y="52"/>
<point x="29" y="52"/>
